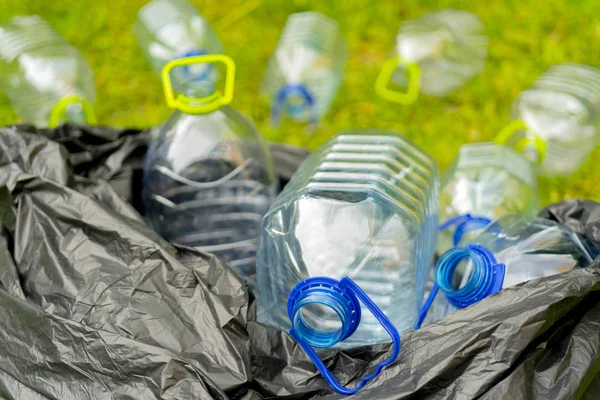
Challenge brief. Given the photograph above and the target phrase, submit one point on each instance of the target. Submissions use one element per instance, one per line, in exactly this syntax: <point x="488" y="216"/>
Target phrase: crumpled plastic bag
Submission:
<point x="94" y="305"/>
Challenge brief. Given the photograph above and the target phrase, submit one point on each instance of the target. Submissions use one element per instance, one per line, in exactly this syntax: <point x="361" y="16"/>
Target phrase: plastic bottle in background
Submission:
<point x="47" y="80"/>
<point x="559" y="116"/>
<point x="435" y="55"/>
<point x="306" y="69"/>
<point x="509" y="251"/>
<point x="487" y="181"/>
<point x="363" y="206"/>
<point x="167" y="30"/>
<point x="208" y="176"/>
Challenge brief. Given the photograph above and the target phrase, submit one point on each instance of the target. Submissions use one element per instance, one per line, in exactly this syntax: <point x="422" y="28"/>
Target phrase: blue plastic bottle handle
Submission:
<point x="464" y="223"/>
<point x="282" y="96"/>
<point x="343" y="296"/>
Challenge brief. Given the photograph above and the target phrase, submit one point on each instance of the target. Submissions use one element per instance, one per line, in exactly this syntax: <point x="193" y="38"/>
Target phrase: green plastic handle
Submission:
<point x="414" y="83"/>
<point x="209" y="103"/>
<point x="59" y="111"/>
<point x="535" y="140"/>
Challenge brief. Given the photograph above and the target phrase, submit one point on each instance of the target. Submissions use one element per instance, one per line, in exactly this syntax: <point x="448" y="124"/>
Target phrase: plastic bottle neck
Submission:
<point x="485" y="278"/>
<point x="295" y="99"/>
<point x="464" y="223"/>
<point x="324" y="292"/>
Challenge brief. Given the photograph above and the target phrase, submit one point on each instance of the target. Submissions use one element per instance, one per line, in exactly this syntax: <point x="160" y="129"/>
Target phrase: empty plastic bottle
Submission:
<point x="363" y="206"/>
<point x="509" y="251"/>
<point x="167" y="30"/>
<point x="558" y="118"/>
<point x="435" y="55"/>
<point x="47" y="80"/>
<point x="208" y="177"/>
<point x="486" y="181"/>
<point x="306" y="69"/>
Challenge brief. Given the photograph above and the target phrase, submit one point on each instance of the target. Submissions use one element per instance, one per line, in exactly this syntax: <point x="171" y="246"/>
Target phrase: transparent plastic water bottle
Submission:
<point x="435" y="55"/>
<point x="363" y="206"/>
<point x="167" y="30"/>
<point x="486" y="181"/>
<point x="306" y="69"/>
<point x="559" y="118"/>
<point x="509" y="251"/>
<point x="47" y="80"/>
<point x="208" y="177"/>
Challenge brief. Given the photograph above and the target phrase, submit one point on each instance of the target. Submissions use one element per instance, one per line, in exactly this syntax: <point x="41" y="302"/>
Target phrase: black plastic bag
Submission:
<point x="95" y="305"/>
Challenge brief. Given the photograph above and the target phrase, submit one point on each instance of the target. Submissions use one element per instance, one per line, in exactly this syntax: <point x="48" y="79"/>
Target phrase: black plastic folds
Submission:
<point x="94" y="305"/>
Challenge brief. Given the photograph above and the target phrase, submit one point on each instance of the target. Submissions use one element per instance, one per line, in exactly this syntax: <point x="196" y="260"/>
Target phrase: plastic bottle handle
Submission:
<point x="385" y="76"/>
<point x="539" y="144"/>
<point x="209" y="103"/>
<point x="59" y="111"/>
<point x="351" y="287"/>
<point x="463" y="223"/>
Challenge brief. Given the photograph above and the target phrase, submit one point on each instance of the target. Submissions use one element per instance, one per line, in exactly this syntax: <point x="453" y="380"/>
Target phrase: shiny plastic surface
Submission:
<point x="449" y="47"/>
<point x="562" y="108"/>
<point x="306" y="68"/>
<point x="39" y="70"/>
<point x="208" y="181"/>
<point x="364" y="206"/>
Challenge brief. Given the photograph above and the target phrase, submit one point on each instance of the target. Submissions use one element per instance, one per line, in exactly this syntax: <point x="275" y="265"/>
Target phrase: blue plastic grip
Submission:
<point x="464" y="223"/>
<point x="486" y="278"/>
<point x="342" y="296"/>
<point x="282" y="96"/>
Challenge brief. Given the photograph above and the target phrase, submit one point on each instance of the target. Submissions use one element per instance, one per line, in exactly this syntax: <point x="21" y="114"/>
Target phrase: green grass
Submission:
<point x="526" y="38"/>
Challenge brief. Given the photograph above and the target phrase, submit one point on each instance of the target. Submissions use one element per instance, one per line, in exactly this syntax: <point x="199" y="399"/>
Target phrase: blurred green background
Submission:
<point x="526" y="38"/>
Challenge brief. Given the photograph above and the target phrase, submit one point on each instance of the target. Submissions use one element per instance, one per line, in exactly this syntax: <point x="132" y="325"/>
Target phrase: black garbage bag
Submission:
<point x="94" y="305"/>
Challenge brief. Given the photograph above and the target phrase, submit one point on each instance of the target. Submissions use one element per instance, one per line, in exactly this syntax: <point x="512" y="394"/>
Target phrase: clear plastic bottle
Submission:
<point x="561" y="111"/>
<point x="47" y="80"/>
<point x="486" y="180"/>
<point x="363" y="206"/>
<point x="521" y="248"/>
<point x="208" y="176"/>
<point x="435" y="55"/>
<point x="306" y="69"/>
<point x="167" y="30"/>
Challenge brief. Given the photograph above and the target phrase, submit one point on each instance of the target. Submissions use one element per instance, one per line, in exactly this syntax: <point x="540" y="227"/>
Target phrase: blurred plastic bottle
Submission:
<point x="47" y="80"/>
<point x="208" y="177"/>
<point x="509" y="251"/>
<point x="306" y="69"/>
<point x="558" y="118"/>
<point x="486" y="181"/>
<point x="436" y="54"/>
<point x="167" y="30"/>
<point x="363" y="206"/>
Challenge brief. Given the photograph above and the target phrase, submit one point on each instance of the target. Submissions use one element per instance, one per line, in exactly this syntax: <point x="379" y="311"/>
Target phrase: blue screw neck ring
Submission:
<point x="464" y="223"/>
<point x="282" y="97"/>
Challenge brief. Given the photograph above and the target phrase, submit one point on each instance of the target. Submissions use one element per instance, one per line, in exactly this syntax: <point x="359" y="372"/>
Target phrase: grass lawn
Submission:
<point x="526" y="38"/>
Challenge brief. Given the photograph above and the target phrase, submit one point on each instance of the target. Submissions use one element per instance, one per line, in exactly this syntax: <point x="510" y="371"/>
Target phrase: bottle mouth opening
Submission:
<point x="322" y="313"/>
<point x="469" y="226"/>
<point x="481" y="277"/>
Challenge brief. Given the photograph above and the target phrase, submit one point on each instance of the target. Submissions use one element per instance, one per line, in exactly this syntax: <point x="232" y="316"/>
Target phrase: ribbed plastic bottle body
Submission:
<point x="208" y="181"/>
<point x="171" y="29"/>
<point x="529" y="247"/>
<point x="562" y="107"/>
<point x="306" y="69"/>
<point x="449" y="46"/>
<point x="38" y="69"/>
<point x="339" y="218"/>
<point x="487" y="180"/>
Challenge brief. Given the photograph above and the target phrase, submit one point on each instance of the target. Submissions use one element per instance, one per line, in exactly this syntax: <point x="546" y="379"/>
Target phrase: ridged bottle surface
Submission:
<point x="208" y="181"/>
<point x="364" y="206"/>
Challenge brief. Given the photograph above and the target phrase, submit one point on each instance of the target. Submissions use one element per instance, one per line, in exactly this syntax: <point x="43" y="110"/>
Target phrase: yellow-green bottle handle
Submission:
<point x="534" y="140"/>
<point x="209" y="103"/>
<point x="414" y="81"/>
<point x="59" y="111"/>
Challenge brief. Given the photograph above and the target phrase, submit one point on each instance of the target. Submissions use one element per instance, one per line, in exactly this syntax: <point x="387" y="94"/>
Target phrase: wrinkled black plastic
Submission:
<point x="95" y="305"/>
